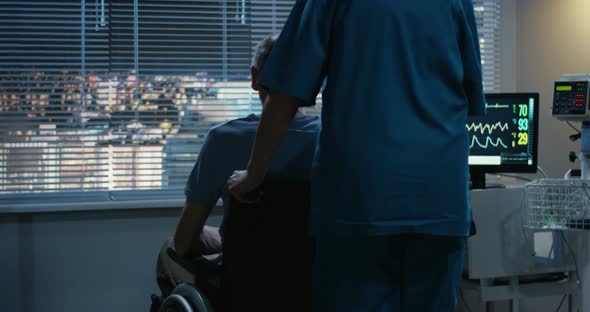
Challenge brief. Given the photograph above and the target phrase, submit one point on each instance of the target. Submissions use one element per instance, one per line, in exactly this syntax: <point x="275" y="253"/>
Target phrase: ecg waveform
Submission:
<point x="488" y="141"/>
<point x="482" y="128"/>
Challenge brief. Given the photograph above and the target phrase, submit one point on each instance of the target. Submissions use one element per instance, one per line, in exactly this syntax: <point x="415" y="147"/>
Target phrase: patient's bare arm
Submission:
<point x="192" y="237"/>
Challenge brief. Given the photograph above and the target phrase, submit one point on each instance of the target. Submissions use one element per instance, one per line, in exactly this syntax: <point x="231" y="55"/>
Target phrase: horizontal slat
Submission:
<point x="48" y="184"/>
<point x="20" y="35"/>
<point x="11" y="27"/>
<point x="24" y="4"/>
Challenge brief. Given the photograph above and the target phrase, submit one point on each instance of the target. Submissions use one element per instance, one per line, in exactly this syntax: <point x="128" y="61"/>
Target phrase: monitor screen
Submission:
<point x="505" y="140"/>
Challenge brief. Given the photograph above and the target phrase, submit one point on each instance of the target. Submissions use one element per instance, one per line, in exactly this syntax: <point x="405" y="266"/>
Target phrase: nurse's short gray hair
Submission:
<point x="262" y="51"/>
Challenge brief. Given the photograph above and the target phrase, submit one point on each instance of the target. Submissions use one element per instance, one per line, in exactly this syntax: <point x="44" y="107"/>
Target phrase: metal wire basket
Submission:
<point x="557" y="204"/>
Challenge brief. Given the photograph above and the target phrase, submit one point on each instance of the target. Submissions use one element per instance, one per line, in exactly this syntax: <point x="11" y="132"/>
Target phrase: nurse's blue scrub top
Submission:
<point x="402" y="76"/>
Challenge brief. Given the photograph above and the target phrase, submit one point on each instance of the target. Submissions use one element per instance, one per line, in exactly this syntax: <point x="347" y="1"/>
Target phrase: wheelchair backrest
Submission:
<point x="267" y="252"/>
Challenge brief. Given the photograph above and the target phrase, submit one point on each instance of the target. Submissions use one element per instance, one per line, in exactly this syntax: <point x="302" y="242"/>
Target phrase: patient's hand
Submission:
<point x="209" y="241"/>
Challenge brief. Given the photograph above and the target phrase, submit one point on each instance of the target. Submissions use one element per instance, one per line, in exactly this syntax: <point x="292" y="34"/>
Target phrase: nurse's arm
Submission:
<point x="279" y="110"/>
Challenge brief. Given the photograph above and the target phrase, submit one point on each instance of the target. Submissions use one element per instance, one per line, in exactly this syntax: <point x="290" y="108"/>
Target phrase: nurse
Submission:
<point x="390" y="203"/>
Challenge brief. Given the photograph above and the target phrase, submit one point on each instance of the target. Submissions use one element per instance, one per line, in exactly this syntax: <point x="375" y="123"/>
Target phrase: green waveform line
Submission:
<point x="497" y="106"/>
<point x="489" y="141"/>
<point x="490" y="128"/>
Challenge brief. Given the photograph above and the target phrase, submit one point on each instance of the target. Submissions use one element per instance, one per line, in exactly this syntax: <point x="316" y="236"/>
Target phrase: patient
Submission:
<point x="226" y="148"/>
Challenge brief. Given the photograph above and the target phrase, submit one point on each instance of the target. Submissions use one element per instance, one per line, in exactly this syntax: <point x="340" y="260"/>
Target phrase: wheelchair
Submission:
<point x="186" y="298"/>
<point x="201" y="296"/>
<point x="266" y="260"/>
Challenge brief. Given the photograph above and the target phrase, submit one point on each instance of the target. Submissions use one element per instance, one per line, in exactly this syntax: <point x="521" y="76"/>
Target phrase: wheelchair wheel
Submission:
<point x="175" y="303"/>
<point x="186" y="298"/>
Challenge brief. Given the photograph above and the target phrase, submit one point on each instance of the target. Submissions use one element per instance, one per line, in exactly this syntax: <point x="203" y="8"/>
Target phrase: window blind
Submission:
<point x="112" y="99"/>
<point x="47" y="51"/>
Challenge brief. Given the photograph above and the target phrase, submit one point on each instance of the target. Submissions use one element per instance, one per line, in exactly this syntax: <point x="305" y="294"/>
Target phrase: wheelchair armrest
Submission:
<point x="202" y="266"/>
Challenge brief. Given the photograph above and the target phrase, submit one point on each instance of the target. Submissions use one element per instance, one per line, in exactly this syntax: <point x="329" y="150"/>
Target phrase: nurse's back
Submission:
<point x="402" y="76"/>
<point x="390" y="204"/>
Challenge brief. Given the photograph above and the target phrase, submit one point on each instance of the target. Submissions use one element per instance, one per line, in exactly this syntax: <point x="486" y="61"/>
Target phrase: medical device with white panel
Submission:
<point x="563" y="205"/>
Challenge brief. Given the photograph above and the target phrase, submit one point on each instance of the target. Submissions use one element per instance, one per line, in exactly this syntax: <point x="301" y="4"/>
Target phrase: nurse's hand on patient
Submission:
<point x="242" y="183"/>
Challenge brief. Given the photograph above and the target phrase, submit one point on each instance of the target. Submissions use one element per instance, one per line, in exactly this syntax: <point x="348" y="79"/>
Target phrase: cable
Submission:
<point x="573" y="127"/>
<point x="520" y="177"/>
<point x="463" y="300"/>
<point x="567" y="244"/>
<point x="561" y="303"/>
<point x="577" y="135"/>
<point x="585" y="188"/>
<point x="573" y="255"/>
<point x="542" y="171"/>
<point x="514" y="176"/>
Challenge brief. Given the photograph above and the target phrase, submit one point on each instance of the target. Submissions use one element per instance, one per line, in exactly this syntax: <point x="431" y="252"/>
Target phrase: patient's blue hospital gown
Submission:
<point x="402" y="76"/>
<point x="228" y="146"/>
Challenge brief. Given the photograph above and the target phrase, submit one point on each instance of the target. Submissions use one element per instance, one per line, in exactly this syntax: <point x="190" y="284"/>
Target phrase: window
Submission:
<point x="488" y="15"/>
<point x="107" y="98"/>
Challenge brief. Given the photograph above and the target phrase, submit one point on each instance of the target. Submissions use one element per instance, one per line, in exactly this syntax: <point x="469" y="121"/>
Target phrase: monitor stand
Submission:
<point x="478" y="182"/>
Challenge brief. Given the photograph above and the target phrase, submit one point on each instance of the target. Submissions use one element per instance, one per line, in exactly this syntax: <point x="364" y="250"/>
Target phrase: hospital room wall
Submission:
<point x="552" y="38"/>
<point x="82" y="260"/>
